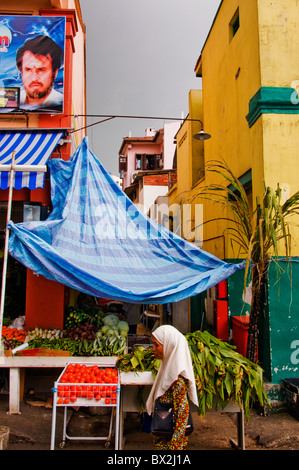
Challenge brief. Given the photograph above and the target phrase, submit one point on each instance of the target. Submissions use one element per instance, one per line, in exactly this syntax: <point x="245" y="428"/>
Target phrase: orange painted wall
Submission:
<point x="45" y="302"/>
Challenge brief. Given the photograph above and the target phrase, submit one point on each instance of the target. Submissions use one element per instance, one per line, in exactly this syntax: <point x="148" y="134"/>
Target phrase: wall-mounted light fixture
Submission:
<point x="107" y="117"/>
<point x="202" y="135"/>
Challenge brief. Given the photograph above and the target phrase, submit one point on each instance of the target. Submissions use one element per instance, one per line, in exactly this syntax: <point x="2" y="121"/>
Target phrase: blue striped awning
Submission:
<point x="31" y="148"/>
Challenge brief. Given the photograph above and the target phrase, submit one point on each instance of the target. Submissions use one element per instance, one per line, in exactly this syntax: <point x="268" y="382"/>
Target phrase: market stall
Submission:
<point x="225" y="380"/>
<point x="97" y="242"/>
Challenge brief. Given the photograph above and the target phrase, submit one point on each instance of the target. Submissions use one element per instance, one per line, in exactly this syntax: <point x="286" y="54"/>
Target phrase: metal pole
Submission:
<point x="4" y="270"/>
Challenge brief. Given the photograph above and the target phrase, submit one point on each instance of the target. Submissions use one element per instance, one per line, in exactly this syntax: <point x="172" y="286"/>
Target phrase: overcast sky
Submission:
<point x="140" y="61"/>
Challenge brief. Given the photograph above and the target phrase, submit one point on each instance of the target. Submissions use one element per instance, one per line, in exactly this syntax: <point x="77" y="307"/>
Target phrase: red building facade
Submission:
<point x="44" y="300"/>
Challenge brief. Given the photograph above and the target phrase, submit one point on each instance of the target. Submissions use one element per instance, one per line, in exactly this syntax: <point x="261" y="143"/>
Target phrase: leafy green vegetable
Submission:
<point x="139" y="360"/>
<point x="222" y="374"/>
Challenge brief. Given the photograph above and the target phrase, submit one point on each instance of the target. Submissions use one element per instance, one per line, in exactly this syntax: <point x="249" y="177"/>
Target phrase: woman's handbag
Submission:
<point x="163" y="423"/>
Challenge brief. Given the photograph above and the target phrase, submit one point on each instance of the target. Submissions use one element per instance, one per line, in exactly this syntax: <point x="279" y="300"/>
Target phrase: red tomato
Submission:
<point x="98" y="397"/>
<point x="66" y="401"/>
<point x="59" y="401"/>
<point x="73" y="399"/>
<point x="107" y="401"/>
<point x="113" y="401"/>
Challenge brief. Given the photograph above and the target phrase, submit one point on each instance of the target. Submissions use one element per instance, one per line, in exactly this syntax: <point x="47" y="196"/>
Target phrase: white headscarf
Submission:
<point x="176" y="361"/>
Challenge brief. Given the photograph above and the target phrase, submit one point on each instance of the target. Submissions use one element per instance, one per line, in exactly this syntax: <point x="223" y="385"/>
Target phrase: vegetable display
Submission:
<point x="76" y="317"/>
<point x="224" y="375"/>
<point x="81" y="332"/>
<point x="221" y="373"/>
<point x="41" y="333"/>
<point x="80" y="381"/>
<point x="111" y="338"/>
<point x="139" y="360"/>
<point x="12" y="337"/>
<point x="84" y="339"/>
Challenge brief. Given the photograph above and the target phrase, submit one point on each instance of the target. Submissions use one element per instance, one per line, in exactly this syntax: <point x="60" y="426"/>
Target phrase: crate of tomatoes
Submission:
<point x="87" y="385"/>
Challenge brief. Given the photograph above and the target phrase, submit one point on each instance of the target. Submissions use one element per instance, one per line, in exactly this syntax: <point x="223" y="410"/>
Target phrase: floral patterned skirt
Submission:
<point x="176" y="396"/>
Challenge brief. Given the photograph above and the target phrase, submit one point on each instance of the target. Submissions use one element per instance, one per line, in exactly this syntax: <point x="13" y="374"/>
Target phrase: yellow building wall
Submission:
<point x="279" y="41"/>
<point x="263" y="52"/>
<point x="261" y="56"/>
<point x="229" y="66"/>
<point x="279" y="57"/>
<point x="190" y="159"/>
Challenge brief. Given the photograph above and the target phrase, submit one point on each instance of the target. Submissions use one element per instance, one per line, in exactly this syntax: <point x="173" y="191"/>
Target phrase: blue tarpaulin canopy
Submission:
<point x="97" y="241"/>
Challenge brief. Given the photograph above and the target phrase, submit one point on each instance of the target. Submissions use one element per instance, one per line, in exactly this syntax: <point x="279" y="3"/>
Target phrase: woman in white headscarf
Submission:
<point x="174" y="384"/>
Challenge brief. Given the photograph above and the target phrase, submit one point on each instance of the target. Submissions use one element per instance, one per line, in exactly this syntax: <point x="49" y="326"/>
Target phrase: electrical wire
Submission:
<point x="108" y="117"/>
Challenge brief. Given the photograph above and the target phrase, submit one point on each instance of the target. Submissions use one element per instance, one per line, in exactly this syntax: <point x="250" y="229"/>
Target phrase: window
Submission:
<point x="122" y="163"/>
<point x="149" y="162"/>
<point x="138" y="165"/>
<point x="234" y="25"/>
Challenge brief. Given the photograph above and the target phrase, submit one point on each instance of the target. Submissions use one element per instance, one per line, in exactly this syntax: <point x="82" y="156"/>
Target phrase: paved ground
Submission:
<point x="31" y="429"/>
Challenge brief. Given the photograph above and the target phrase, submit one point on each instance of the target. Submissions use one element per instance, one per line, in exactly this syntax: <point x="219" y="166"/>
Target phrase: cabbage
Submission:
<point x="105" y="330"/>
<point x="123" y="328"/>
<point x="123" y="325"/>
<point x="111" y="320"/>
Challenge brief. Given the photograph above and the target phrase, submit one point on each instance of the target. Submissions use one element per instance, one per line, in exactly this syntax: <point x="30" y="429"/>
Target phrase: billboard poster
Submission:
<point x="32" y="63"/>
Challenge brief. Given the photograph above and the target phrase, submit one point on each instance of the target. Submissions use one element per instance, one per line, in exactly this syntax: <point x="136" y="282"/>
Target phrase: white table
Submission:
<point x="16" y="363"/>
<point x="130" y="382"/>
